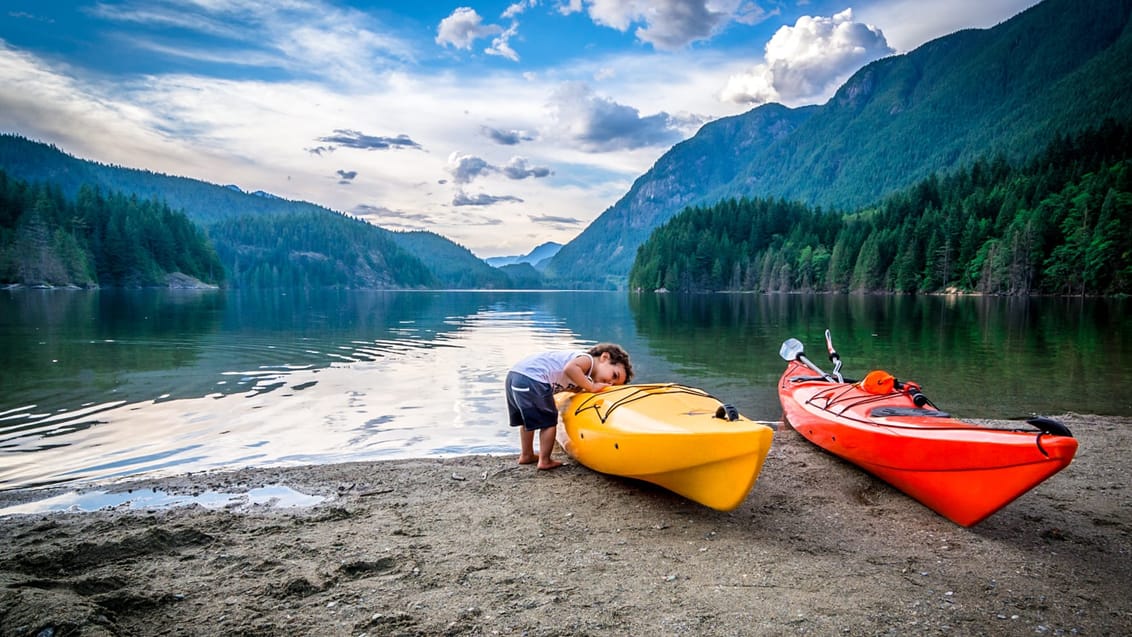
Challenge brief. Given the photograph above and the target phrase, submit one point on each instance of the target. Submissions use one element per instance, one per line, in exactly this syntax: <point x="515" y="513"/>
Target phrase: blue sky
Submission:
<point x="499" y="125"/>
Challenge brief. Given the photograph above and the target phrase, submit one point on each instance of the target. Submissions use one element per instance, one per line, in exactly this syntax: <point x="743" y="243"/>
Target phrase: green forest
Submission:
<point x="312" y="250"/>
<point x="98" y="239"/>
<point x="1058" y="224"/>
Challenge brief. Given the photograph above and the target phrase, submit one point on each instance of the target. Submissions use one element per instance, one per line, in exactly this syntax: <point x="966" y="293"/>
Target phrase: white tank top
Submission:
<point x="549" y="368"/>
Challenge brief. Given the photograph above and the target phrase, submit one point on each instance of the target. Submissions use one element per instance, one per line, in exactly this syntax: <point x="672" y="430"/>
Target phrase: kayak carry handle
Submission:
<point x="913" y="390"/>
<point x="1048" y="426"/>
<point x="727" y="411"/>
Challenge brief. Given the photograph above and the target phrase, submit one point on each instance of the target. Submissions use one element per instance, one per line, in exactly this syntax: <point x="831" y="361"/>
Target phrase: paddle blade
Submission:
<point x="791" y="349"/>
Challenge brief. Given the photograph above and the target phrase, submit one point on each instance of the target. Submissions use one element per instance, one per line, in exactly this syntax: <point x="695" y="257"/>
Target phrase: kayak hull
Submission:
<point x="667" y="435"/>
<point x="961" y="470"/>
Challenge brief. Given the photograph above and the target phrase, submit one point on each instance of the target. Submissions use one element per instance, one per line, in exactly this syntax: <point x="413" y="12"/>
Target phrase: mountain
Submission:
<point x="1060" y="224"/>
<point x="1057" y="68"/>
<point x="301" y="243"/>
<point x="524" y="276"/>
<point x="203" y="202"/>
<point x="534" y="257"/>
<point x="453" y="265"/>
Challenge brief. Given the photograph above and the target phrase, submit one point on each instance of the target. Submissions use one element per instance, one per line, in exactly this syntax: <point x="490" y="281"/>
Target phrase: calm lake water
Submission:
<point x="97" y="385"/>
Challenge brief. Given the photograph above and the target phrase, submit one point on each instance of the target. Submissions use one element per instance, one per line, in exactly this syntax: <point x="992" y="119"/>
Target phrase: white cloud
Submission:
<point x="463" y="28"/>
<point x="518" y="8"/>
<point x="501" y="45"/>
<point x="910" y="23"/>
<point x="805" y="61"/>
<point x="465" y="168"/>
<point x="599" y="124"/>
<point x="669" y="25"/>
<point x="482" y="199"/>
<point x="506" y="137"/>
<point x="301" y="37"/>
<point x="517" y="168"/>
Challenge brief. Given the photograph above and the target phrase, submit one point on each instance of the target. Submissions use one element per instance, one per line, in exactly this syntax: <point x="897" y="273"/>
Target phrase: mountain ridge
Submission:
<point x="214" y="206"/>
<point x="1055" y="68"/>
<point x="535" y="257"/>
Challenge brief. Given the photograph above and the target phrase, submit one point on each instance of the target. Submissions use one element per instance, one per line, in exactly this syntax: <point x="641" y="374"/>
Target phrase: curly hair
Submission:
<point x="617" y="356"/>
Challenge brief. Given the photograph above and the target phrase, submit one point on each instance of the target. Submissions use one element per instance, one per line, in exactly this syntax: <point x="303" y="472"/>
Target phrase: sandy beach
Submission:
<point x="479" y="545"/>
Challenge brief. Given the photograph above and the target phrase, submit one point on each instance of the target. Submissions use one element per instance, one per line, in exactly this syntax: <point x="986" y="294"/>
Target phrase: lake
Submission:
<point x="105" y="384"/>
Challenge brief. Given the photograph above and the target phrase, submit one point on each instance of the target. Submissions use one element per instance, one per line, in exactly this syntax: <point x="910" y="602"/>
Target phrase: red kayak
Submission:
<point x="963" y="471"/>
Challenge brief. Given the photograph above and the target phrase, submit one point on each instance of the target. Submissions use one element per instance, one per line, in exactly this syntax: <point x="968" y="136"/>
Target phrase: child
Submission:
<point x="533" y="381"/>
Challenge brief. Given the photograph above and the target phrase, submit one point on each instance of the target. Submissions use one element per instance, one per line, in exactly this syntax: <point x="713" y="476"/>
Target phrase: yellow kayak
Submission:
<point x="677" y="437"/>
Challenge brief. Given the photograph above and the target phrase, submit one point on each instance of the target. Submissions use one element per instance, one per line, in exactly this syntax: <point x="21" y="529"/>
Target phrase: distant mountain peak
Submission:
<point x="539" y="254"/>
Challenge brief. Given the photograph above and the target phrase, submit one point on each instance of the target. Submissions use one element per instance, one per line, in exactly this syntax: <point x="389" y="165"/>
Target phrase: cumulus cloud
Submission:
<point x="356" y="139"/>
<point x="463" y="28"/>
<point x="598" y="124"/>
<point x="804" y="61"/>
<point x="517" y="168"/>
<point x="482" y="199"/>
<point x="668" y="24"/>
<point x="465" y="168"/>
<point x="506" y="137"/>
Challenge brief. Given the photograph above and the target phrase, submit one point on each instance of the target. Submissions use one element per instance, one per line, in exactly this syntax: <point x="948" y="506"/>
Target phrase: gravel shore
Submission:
<point x="479" y="545"/>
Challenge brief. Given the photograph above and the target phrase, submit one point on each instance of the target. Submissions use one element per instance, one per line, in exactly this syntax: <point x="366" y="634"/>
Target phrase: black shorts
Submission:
<point x="530" y="403"/>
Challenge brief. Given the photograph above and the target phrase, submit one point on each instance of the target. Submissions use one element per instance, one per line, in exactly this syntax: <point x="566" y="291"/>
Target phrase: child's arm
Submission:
<point x="578" y="374"/>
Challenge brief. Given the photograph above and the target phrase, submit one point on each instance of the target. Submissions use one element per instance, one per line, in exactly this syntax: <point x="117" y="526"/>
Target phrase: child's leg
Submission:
<point x="527" y="446"/>
<point x="545" y="446"/>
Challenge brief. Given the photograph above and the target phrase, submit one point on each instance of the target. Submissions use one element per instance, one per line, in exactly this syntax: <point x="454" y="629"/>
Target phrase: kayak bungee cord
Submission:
<point x="1042" y="425"/>
<point x="639" y="392"/>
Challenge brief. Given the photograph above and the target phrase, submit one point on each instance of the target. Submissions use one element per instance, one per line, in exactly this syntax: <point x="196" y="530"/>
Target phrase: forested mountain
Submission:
<point x="201" y="201"/>
<point x="298" y="243"/>
<point x="96" y="239"/>
<point x="1062" y="224"/>
<point x="314" y="249"/>
<point x="453" y="265"/>
<point x="1057" y="68"/>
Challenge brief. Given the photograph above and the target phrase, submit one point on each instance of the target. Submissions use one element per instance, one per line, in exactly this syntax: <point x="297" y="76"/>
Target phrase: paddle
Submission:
<point x="834" y="357"/>
<point x="793" y="350"/>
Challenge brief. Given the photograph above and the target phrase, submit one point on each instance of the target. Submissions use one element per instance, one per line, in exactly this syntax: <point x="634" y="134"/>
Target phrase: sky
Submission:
<point x="499" y="125"/>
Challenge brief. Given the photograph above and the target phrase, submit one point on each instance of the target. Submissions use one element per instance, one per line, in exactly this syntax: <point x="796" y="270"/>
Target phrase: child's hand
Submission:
<point x="600" y="386"/>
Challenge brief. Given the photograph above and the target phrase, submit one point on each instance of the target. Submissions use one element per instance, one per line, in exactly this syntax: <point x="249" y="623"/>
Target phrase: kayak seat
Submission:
<point x="887" y="412"/>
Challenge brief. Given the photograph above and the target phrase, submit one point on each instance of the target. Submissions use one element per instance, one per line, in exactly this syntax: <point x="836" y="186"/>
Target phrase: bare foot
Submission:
<point x="549" y="464"/>
<point x="531" y="459"/>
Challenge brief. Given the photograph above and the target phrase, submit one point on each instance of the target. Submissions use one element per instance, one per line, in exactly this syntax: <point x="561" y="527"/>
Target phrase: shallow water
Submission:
<point x="101" y="385"/>
<point x="275" y="496"/>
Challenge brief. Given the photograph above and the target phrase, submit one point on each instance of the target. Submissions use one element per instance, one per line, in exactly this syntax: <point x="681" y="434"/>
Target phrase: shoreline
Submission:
<point x="475" y="545"/>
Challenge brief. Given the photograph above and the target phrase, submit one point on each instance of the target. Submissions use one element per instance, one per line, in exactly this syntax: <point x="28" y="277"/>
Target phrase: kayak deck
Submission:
<point x="961" y="470"/>
<point x="668" y="435"/>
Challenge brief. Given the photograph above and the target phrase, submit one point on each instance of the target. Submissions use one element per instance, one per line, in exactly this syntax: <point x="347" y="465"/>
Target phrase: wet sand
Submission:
<point x="480" y="545"/>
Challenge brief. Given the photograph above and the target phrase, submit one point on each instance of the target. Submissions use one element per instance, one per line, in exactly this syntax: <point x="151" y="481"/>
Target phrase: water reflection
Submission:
<point x="111" y="384"/>
<point x="981" y="356"/>
<point x="267" y="378"/>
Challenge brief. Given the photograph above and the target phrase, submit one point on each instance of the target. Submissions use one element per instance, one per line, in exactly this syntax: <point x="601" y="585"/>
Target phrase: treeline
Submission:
<point x="313" y="250"/>
<point x="96" y="239"/>
<point x="1060" y="224"/>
